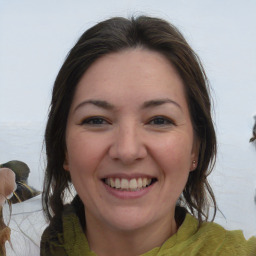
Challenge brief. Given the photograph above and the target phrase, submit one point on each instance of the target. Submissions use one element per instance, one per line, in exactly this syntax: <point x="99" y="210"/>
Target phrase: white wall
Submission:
<point x="35" y="37"/>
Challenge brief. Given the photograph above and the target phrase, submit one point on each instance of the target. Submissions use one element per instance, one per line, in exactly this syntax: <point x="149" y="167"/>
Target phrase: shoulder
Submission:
<point x="209" y="239"/>
<point x="65" y="235"/>
<point x="52" y="242"/>
<point x="53" y="237"/>
<point x="213" y="237"/>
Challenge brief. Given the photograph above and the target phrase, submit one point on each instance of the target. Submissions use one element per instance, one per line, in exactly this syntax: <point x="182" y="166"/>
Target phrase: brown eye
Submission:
<point x="160" y="120"/>
<point x="94" y="121"/>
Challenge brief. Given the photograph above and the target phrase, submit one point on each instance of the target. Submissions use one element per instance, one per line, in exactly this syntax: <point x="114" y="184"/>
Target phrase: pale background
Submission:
<point x="35" y="37"/>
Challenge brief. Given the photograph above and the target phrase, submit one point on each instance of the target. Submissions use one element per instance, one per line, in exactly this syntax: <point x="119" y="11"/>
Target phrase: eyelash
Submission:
<point x="164" y="121"/>
<point x="99" y="121"/>
<point x="94" y="121"/>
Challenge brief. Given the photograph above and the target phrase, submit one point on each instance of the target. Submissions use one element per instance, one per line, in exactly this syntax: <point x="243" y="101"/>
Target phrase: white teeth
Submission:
<point x="117" y="183"/>
<point x="133" y="184"/>
<point x="144" y="182"/>
<point x="125" y="184"/>
<point x="139" y="183"/>
<point x="112" y="183"/>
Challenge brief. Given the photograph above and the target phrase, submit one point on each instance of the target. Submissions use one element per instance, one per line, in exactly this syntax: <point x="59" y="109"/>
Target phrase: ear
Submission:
<point x="195" y="154"/>
<point x="66" y="163"/>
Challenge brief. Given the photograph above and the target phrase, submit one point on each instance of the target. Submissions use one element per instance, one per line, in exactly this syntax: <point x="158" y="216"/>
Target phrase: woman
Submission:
<point x="130" y="127"/>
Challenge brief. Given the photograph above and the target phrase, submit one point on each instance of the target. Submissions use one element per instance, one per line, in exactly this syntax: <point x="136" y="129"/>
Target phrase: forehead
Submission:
<point x="130" y="74"/>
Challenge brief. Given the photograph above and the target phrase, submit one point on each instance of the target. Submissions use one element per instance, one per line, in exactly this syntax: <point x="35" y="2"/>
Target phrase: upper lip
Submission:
<point x="128" y="176"/>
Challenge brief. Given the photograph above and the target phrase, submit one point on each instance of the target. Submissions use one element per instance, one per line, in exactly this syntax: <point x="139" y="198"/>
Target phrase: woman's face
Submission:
<point x="130" y="141"/>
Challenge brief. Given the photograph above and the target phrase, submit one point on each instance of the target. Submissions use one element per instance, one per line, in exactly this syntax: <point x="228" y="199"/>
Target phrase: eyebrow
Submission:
<point x="159" y="102"/>
<point x="147" y="104"/>
<point x="98" y="103"/>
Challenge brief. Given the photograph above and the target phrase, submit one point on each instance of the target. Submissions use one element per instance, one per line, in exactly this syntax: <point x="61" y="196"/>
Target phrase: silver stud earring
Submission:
<point x="194" y="164"/>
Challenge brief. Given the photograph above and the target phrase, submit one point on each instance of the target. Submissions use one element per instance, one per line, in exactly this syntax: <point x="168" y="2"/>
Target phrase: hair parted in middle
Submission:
<point x="114" y="35"/>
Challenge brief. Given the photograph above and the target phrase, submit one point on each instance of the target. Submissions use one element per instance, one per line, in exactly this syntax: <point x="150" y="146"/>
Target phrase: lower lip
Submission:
<point x="128" y="194"/>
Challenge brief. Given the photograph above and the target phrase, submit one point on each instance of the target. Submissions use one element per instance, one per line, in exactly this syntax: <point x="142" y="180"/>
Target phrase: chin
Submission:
<point x="128" y="219"/>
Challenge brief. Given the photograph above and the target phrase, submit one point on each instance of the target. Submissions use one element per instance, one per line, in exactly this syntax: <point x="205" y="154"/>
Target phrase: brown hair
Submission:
<point x="113" y="35"/>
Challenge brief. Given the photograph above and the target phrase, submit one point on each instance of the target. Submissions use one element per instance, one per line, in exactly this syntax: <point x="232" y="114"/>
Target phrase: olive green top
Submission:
<point x="210" y="239"/>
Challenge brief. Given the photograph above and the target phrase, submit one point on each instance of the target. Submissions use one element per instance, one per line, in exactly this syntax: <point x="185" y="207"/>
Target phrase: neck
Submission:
<point x="105" y="240"/>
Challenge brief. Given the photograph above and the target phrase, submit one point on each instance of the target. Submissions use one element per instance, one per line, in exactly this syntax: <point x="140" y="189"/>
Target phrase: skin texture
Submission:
<point x="129" y="118"/>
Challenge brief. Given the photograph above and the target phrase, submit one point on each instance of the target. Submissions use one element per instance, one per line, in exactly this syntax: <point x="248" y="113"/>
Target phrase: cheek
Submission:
<point x="173" y="156"/>
<point x="174" y="162"/>
<point x="82" y="159"/>
<point x="174" y="153"/>
<point x="84" y="154"/>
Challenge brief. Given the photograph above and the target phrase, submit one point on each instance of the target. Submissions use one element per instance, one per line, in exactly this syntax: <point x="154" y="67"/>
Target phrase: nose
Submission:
<point x="128" y="146"/>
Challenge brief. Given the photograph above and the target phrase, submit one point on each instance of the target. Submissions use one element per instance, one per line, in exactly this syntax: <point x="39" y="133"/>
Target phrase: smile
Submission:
<point x="123" y="184"/>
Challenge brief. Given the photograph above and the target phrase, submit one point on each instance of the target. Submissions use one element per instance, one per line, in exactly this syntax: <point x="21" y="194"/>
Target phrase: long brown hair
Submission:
<point x="113" y="35"/>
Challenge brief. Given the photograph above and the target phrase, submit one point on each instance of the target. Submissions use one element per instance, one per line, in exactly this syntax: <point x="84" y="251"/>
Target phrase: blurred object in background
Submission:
<point x="23" y="191"/>
<point x="23" y="222"/>
<point x="26" y="223"/>
<point x="253" y="138"/>
<point x="7" y="186"/>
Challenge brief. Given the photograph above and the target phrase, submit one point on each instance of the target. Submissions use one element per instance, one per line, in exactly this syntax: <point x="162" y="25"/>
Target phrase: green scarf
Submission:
<point x="66" y="237"/>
